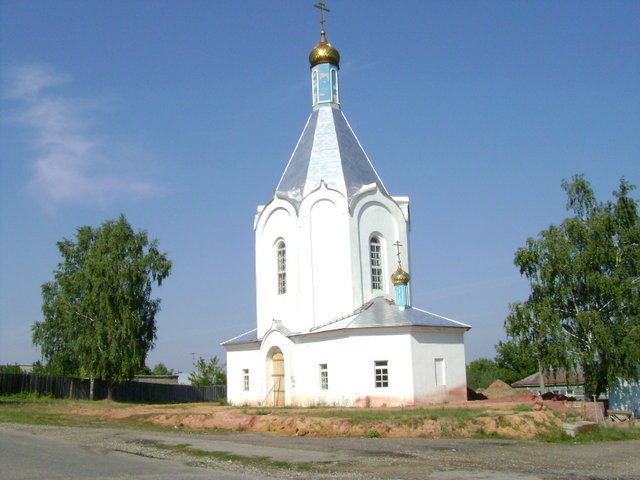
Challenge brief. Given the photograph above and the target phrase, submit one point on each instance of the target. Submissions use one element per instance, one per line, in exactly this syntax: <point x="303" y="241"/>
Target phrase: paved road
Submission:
<point x="26" y="456"/>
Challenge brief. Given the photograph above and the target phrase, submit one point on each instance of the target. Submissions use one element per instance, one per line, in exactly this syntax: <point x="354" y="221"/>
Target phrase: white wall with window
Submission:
<point x="377" y="217"/>
<point x="243" y="356"/>
<point x="445" y="376"/>
<point x="276" y="266"/>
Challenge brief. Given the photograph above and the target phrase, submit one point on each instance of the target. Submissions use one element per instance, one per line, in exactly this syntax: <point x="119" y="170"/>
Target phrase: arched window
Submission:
<point x="282" y="268"/>
<point x="375" y="257"/>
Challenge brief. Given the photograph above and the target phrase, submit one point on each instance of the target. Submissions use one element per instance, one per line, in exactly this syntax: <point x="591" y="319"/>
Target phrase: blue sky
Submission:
<point x="182" y="116"/>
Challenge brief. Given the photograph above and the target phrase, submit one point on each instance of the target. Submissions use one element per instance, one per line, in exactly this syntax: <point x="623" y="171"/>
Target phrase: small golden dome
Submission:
<point x="324" y="52"/>
<point x="400" y="277"/>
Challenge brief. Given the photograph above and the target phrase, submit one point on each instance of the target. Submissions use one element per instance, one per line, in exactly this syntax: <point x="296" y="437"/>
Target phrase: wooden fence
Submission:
<point x="78" y="389"/>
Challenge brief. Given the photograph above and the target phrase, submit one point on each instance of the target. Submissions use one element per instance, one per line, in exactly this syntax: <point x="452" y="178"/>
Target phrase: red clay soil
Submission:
<point x="521" y="417"/>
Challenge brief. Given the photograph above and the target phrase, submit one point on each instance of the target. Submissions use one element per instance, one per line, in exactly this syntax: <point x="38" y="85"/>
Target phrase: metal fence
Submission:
<point x="78" y="389"/>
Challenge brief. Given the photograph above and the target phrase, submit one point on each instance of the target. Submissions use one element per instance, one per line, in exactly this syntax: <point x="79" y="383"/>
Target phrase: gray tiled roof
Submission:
<point x="384" y="313"/>
<point x="381" y="312"/>
<point x="328" y="151"/>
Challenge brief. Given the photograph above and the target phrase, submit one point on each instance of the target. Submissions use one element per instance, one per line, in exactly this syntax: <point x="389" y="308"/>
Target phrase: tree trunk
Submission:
<point x="91" y="382"/>
<point x="542" y="386"/>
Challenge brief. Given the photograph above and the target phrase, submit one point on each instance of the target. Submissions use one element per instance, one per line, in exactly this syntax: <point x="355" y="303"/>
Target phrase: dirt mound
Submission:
<point x="498" y="389"/>
<point x="301" y="422"/>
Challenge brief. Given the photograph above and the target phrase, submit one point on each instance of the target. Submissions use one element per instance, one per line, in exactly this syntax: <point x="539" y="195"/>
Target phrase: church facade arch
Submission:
<point x="276" y="292"/>
<point x="276" y="354"/>
<point x="377" y="215"/>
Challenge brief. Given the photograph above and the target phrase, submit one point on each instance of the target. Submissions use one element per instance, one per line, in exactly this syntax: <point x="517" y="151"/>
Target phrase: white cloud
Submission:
<point x="29" y="80"/>
<point x="72" y="165"/>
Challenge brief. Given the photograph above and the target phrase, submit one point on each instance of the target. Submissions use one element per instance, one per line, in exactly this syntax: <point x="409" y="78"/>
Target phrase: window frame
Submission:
<point x="281" y="267"/>
<point x="376" y="270"/>
<point x="440" y="371"/>
<point x="245" y="380"/>
<point x="324" y="376"/>
<point x="381" y="373"/>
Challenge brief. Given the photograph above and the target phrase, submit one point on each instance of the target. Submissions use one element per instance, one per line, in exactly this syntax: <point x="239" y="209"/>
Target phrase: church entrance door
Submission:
<point x="278" y="379"/>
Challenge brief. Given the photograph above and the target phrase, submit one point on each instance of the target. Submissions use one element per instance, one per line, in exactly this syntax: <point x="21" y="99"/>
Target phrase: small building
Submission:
<point x="556" y="382"/>
<point x="165" y="379"/>
<point x="625" y="395"/>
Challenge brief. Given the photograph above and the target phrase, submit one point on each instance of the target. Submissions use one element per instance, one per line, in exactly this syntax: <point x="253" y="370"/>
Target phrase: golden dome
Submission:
<point x="324" y="52"/>
<point x="400" y="277"/>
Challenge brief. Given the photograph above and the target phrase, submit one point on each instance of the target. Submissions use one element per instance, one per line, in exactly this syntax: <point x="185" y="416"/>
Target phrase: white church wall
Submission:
<point x="276" y="222"/>
<point x="325" y="257"/>
<point x="439" y="362"/>
<point x="330" y="262"/>
<point x="350" y="360"/>
<point x="309" y="355"/>
<point x="239" y="358"/>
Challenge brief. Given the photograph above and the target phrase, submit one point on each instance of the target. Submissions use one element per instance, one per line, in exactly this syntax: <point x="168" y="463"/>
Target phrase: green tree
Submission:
<point x="10" y="369"/>
<point x="482" y="372"/>
<point x="99" y="317"/>
<point x="515" y="361"/>
<point x="583" y="310"/>
<point x="161" y="369"/>
<point x="211" y="373"/>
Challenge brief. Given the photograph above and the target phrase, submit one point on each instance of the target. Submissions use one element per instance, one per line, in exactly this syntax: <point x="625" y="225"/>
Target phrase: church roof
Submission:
<point x="381" y="312"/>
<point x="248" y="337"/>
<point x="328" y="151"/>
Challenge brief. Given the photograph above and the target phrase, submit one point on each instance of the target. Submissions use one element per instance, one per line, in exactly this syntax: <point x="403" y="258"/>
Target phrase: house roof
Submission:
<point x="555" y="378"/>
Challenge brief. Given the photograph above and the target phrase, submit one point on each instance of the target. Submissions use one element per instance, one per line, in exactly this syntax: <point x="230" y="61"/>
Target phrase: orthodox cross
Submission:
<point x="322" y="8"/>
<point x="398" y="245"/>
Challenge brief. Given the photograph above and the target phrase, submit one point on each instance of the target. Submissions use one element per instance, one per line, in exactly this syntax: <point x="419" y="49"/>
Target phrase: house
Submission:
<point x="335" y="324"/>
<point x="555" y="382"/>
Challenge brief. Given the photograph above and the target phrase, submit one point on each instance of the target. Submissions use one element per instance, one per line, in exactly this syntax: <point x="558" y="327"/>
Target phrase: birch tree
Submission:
<point x="583" y="309"/>
<point x="99" y="317"/>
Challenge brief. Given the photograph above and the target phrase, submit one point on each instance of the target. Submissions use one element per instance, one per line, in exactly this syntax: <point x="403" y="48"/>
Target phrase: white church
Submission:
<point x="335" y="324"/>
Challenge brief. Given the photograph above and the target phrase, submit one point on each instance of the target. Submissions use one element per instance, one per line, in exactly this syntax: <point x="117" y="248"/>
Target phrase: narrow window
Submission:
<point x="382" y="373"/>
<point x="245" y="379"/>
<point x="282" y="268"/>
<point x="334" y="86"/>
<point x="440" y="378"/>
<point x="324" y="377"/>
<point x="375" y="256"/>
<point x="315" y="87"/>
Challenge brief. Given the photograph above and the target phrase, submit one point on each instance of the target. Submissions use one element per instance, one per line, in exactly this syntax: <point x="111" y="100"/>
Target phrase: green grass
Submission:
<point x="28" y="409"/>
<point x="413" y="417"/>
<point x="229" y="457"/>
<point x="522" y="408"/>
<point x="600" y="434"/>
